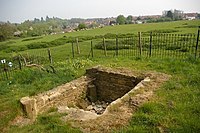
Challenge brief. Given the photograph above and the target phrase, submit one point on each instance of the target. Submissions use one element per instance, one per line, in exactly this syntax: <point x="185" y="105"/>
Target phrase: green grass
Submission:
<point x="50" y="124"/>
<point x="174" y="108"/>
<point x="29" y="82"/>
<point x="178" y="27"/>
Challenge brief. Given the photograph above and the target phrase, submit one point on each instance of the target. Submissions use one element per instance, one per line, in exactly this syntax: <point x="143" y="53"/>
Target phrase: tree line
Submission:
<point x="170" y="16"/>
<point x="46" y="26"/>
<point x="31" y="28"/>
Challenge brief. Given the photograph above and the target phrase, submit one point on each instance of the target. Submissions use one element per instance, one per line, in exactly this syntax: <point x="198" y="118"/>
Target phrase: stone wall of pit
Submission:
<point x="65" y="95"/>
<point x="101" y="84"/>
<point x="110" y="85"/>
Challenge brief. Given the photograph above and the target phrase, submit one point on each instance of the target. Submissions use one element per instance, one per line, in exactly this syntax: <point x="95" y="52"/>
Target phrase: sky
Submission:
<point x="17" y="11"/>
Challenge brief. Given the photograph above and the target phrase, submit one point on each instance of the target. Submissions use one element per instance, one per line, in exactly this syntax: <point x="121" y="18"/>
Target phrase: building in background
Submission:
<point x="191" y="16"/>
<point x="173" y="14"/>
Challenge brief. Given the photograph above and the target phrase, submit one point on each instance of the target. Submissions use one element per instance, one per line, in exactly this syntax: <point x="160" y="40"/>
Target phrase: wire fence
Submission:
<point x="147" y="45"/>
<point x="19" y="61"/>
<point x="141" y="45"/>
<point x="155" y="45"/>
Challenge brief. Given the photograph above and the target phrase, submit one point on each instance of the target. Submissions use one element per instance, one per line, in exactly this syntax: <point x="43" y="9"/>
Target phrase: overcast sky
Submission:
<point x="21" y="10"/>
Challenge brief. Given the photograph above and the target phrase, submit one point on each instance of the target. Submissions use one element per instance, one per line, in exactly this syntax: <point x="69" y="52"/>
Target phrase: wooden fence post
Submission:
<point x="77" y="45"/>
<point x="140" y="44"/>
<point x="19" y="61"/>
<point x="197" y="43"/>
<point x="104" y="45"/>
<point x="117" y="46"/>
<point x="92" y="49"/>
<point x="72" y="49"/>
<point x="5" y="70"/>
<point x="50" y="57"/>
<point x="150" y="46"/>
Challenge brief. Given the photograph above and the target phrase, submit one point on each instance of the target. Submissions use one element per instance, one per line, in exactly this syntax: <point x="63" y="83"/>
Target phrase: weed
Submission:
<point x="50" y="124"/>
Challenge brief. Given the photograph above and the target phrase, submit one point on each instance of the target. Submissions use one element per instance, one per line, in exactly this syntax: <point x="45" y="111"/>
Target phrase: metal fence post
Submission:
<point x="140" y="44"/>
<point x="50" y="57"/>
<point x="72" y="49"/>
<point x="77" y="45"/>
<point x="104" y="45"/>
<point x="19" y="61"/>
<point x="197" y="43"/>
<point x="150" y="46"/>
<point x="92" y="49"/>
<point x="117" y="46"/>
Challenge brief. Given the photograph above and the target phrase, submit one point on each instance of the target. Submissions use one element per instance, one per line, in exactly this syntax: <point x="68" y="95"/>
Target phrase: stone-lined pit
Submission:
<point x="100" y="101"/>
<point x="92" y="92"/>
<point x="105" y="87"/>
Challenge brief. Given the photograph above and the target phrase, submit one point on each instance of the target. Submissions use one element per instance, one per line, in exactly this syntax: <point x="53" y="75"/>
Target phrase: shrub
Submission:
<point x="33" y="38"/>
<point x="110" y="36"/>
<point x="15" y="49"/>
<point x="57" y="42"/>
<point x="126" y="35"/>
<point x="163" y="31"/>
<point x="111" y="45"/>
<point x="37" y="45"/>
<point x="173" y="48"/>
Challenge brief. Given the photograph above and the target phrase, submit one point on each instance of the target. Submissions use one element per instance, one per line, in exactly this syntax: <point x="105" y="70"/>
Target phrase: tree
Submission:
<point x="6" y="31"/>
<point x="121" y="19"/>
<point x="139" y="18"/>
<point x="169" y="14"/>
<point x="198" y="15"/>
<point x="129" y="19"/>
<point x="112" y="22"/>
<point x="47" y="18"/>
<point x="42" y="19"/>
<point x="36" y="20"/>
<point x="82" y="26"/>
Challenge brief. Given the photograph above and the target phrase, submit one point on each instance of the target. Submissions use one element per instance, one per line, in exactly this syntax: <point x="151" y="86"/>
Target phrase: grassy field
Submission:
<point x="182" y="27"/>
<point x="175" y="107"/>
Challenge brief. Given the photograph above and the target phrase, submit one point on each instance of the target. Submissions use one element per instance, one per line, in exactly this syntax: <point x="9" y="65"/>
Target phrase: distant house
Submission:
<point x="150" y="17"/>
<point x="89" y="22"/>
<point x="138" y="22"/>
<point x="177" y="14"/>
<point x="18" y="33"/>
<point x="190" y="16"/>
<point x="113" y="23"/>
<point x="68" y="30"/>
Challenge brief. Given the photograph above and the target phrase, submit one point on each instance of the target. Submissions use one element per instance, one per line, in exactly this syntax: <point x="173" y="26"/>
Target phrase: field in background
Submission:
<point x="177" y="27"/>
<point x="174" y="108"/>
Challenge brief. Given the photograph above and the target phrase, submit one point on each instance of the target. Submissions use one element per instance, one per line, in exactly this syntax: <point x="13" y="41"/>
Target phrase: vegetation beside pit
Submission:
<point x="174" y="108"/>
<point x="31" y="81"/>
<point x="47" y="123"/>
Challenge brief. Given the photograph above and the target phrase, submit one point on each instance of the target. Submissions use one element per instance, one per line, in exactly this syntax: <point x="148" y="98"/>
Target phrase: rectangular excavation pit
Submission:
<point x="92" y="92"/>
<point x="106" y="87"/>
